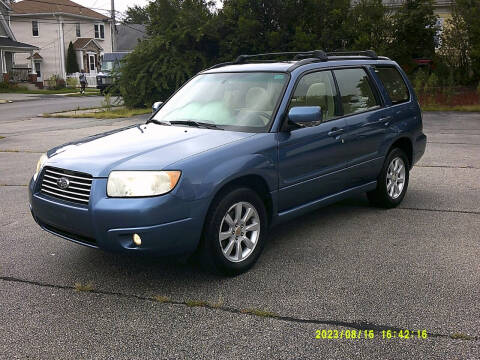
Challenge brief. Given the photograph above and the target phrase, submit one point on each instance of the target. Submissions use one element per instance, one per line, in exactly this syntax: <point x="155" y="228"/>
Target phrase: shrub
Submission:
<point x="55" y="82"/>
<point x="72" y="82"/>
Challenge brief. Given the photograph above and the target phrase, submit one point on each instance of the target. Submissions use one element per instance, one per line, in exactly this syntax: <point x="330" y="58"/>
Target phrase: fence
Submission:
<point x="450" y="96"/>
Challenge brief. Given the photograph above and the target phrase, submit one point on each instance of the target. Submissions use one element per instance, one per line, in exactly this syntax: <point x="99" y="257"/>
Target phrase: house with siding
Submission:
<point x="51" y="26"/>
<point x="9" y="46"/>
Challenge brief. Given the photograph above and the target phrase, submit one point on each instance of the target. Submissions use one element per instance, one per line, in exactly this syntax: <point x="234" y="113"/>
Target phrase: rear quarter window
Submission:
<point x="394" y="84"/>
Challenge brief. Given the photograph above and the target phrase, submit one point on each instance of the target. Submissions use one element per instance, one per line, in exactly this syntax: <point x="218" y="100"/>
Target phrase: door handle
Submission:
<point x="335" y="132"/>
<point x="385" y="120"/>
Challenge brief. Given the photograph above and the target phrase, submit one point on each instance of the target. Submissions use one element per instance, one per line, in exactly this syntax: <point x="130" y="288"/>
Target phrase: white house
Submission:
<point x="9" y="46"/>
<point x="51" y="25"/>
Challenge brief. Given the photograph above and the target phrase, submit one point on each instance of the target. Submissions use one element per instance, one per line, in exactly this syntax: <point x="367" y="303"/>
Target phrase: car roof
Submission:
<point x="290" y="66"/>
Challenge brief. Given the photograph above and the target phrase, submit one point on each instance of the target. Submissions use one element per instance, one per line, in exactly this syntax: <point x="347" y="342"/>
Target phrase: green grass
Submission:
<point x="196" y="303"/>
<point x="112" y="114"/>
<point x="2" y="137"/>
<point x="261" y="313"/>
<point x="465" y="108"/>
<point x="83" y="287"/>
<point x="87" y="93"/>
<point x="161" y="299"/>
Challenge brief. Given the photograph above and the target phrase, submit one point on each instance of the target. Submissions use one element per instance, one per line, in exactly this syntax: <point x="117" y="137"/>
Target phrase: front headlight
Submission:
<point x="141" y="183"/>
<point x="40" y="164"/>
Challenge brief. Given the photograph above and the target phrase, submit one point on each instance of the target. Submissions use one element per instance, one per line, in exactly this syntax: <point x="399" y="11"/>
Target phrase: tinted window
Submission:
<point x="393" y="83"/>
<point x="355" y="90"/>
<point x="316" y="89"/>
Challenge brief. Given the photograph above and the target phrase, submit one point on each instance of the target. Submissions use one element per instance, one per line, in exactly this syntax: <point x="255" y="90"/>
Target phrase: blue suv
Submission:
<point x="239" y="148"/>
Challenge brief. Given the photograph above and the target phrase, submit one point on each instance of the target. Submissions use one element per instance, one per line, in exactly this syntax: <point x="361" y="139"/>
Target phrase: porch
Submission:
<point x="8" y="47"/>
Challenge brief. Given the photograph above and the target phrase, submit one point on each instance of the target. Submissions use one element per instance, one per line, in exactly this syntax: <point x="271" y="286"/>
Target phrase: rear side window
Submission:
<point x="393" y="83"/>
<point x="316" y="89"/>
<point x="355" y="90"/>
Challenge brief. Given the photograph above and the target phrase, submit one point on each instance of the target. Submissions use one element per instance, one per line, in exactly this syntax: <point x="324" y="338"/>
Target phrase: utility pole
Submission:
<point x="113" y="33"/>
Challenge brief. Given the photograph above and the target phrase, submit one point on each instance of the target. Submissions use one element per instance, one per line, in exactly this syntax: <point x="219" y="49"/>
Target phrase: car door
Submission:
<point x="311" y="159"/>
<point x="367" y="124"/>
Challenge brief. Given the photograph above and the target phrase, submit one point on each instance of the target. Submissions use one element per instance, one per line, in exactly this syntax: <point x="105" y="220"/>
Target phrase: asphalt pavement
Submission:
<point x="348" y="266"/>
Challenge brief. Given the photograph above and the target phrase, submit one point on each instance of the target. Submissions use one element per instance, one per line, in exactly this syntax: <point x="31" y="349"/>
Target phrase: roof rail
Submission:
<point x="303" y="57"/>
<point x="319" y="54"/>
<point x="368" y="53"/>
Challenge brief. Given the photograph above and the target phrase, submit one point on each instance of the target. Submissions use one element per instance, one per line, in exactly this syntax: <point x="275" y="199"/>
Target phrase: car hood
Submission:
<point x="139" y="147"/>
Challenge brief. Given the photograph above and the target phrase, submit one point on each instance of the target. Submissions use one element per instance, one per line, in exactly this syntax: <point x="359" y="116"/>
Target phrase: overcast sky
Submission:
<point x="120" y="5"/>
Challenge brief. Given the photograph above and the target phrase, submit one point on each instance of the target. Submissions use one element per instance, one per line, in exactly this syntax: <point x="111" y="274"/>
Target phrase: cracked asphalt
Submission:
<point x="348" y="266"/>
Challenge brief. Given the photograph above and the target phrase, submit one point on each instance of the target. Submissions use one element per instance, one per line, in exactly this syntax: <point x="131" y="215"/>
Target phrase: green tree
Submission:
<point x="72" y="65"/>
<point x="371" y="26"/>
<point x="469" y="10"/>
<point x="454" y="52"/>
<point x="182" y="42"/>
<point x="414" y="31"/>
<point x="136" y="15"/>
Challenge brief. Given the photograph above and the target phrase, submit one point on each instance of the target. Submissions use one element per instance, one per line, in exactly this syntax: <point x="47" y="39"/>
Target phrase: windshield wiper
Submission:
<point x="167" y="123"/>
<point x="198" y="124"/>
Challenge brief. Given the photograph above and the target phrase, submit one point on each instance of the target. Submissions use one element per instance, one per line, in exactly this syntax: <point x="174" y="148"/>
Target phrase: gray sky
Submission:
<point x="120" y="5"/>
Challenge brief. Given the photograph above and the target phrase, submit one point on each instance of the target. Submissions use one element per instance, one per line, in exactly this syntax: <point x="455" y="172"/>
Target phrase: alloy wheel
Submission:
<point x="239" y="231"/>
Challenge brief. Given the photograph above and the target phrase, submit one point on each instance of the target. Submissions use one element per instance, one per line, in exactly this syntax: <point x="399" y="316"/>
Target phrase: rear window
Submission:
<point x="355" y="90"/>
<point x="393" y="83"/>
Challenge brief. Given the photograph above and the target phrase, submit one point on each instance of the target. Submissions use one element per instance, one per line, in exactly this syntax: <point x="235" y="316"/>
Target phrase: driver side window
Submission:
<point x="317" y="89"/>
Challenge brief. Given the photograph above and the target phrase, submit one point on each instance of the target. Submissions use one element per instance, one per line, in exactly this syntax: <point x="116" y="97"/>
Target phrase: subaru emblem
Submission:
<point x="63" y="183"/>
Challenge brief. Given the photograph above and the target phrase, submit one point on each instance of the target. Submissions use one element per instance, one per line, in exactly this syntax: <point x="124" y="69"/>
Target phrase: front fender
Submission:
<point x="205" y="174"/>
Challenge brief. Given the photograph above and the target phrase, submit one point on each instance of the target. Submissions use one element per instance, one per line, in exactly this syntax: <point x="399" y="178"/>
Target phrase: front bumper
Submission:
<point x="167" y="224"/>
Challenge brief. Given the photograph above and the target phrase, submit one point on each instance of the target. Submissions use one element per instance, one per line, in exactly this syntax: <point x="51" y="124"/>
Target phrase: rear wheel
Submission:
<point x="392" y="183"/>
<point x="235" y="232"/>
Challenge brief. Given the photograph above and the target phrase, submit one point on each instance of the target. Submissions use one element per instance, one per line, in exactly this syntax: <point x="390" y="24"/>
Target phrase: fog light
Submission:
<point x="137" y="239"/>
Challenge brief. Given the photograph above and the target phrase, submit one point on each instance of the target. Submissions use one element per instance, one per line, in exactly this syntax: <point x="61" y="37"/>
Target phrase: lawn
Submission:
<point x="103" y="114"/>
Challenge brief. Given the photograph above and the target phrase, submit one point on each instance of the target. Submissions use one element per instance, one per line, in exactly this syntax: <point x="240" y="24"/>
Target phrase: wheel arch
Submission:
<point x="405" y="144"/>
<point x="254" y="182"/>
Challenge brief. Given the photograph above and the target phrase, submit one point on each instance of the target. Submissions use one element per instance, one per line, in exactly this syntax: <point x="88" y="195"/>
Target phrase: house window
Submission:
<point x="35" y="28"/>
<point x="77" y="29"/>
<point x="99" y="31"/>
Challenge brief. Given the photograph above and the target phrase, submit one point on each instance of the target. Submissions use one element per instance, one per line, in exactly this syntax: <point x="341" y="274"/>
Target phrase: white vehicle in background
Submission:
<point x="110" y="62"/>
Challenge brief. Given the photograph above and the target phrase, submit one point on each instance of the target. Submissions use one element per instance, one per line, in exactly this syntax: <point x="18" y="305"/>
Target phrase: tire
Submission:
<point x="233" y="254"/>
<point x="394" y="170"/>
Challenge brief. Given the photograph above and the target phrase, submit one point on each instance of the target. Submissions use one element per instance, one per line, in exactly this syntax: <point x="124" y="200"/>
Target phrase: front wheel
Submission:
<point x="235" y="232"/>
<point x="392" y="183"/>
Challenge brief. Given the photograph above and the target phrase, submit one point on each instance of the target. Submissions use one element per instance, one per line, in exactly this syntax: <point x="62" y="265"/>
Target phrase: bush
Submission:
<point x="55" y="82"/>
<point x="72" y="82"/>
<point x="478" y="89"/>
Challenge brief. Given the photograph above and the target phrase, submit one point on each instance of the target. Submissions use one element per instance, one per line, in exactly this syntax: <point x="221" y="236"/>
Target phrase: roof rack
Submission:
<point x="303" y="57"/>
<point x="367" y="53"/>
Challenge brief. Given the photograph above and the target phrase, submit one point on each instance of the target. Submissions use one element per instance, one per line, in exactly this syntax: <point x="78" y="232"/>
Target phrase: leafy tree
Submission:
<point x="454" y="52"/>
<point x="469" y="10"/>
<point x="182" y="42"/>
<point x="72" y="64"/>
<point x="136" y="15"/>
<point x="414" y="30"/>
<point x="371" y="26"/>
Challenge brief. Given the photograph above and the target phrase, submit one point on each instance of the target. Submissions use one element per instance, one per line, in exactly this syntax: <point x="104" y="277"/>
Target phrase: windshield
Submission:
<point x="236" y="101"/>
<point x="107" y="66"/>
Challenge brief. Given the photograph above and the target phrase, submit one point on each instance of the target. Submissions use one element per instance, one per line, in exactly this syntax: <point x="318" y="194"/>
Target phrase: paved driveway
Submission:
<point x="345" y="267"/>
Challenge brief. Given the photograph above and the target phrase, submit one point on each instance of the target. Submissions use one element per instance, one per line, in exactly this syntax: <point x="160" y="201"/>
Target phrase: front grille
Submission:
<point x="77" y="189"/>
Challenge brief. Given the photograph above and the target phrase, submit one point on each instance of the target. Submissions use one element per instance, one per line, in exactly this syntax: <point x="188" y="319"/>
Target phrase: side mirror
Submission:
<point x="303" y="115"/>
<point x="156" y="105"/>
